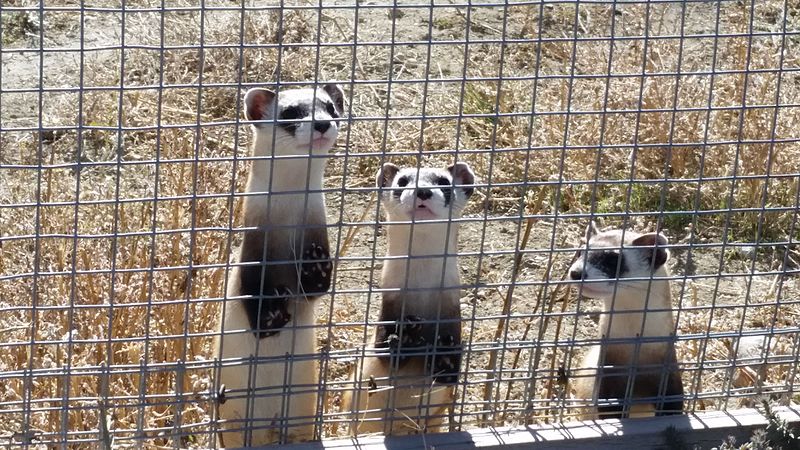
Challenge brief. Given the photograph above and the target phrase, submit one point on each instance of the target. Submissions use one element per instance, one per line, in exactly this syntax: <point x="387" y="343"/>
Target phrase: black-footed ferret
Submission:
<point x="282" y="266"/>
<point x="406" y="383"/>
<point x="640" y="376"/>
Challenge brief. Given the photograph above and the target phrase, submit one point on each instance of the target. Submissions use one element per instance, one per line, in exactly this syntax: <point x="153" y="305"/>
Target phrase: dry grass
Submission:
<point x="122" y="278"/>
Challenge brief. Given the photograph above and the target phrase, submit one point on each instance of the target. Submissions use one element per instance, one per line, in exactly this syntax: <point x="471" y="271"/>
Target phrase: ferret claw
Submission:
<point x="221" y="397"/>
<point x="315" y="269"/>
<point x="274" y="314"/>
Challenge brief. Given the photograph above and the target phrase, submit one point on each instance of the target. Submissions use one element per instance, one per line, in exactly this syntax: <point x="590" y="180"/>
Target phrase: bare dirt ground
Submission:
<point x="114" y="240"/>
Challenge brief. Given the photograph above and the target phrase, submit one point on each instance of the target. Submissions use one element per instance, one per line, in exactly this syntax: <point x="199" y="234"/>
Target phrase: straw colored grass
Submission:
<point x="113" y="242"/>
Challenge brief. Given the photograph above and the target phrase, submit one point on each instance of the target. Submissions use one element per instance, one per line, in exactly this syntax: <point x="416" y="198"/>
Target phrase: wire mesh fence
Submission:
<point x="125" y="154"/>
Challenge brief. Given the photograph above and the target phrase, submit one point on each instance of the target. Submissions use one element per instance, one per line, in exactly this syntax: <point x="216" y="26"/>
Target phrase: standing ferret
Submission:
<point x="283" y="265"/>
<point x="637" y="375"/>
<point x="406" y="384"/>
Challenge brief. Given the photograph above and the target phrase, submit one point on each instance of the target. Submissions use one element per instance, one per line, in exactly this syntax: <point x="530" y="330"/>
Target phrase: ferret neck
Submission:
<point x="432" y="249"/>
<point x="647" y="294"/>
<point x="422" y="239"/>
<point x="296" y="179"/>
<point x="281" y="169"/>
<point x="634" y="312"/>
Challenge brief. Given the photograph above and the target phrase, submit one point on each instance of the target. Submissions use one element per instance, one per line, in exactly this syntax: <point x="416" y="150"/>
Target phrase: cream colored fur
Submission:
<point x="630" y="309"/>
<point x="393" y="393"/>
<point x="286" y="387"/>
<point x="407" y="401"/>
<point x="621" y="324"/>
<point x="276" y="377"/>
<point x="238" y="341"/>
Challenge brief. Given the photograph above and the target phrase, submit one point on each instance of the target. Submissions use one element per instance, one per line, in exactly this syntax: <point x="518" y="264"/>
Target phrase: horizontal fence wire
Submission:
<point x="124" y="159"/>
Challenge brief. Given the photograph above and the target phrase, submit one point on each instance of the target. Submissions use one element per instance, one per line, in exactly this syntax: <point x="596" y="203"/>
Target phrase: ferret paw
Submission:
<point x="405" y="338"/>
<point x="446" y="360"/>
<point x="274" y="313"/>
<point x="404" y="335"/>
<point x="315" y="271"/>
<point x="411" y="330"/>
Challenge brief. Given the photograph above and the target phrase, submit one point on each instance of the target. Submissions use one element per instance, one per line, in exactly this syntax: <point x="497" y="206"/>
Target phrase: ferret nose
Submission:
<point x="424" y="194"/>
<point x="322" y="125"/>
<point x="576" y="275"/>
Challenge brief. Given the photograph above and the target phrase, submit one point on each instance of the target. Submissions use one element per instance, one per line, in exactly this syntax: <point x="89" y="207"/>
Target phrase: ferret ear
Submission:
<point x="337" y="95"/>
<point x="591" y="230"/>
<point x="657" y="243"/>
<point x="256" y="104"/>
<point x="462" y="175"/>
<point x="386" y="174"/>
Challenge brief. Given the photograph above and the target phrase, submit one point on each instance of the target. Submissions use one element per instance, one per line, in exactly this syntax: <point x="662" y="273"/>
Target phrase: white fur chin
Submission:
<point x="305" y="140"/>
<point x="317" y="147"/>
<point x="595" y="290"/>
<point x="424" y="214"/>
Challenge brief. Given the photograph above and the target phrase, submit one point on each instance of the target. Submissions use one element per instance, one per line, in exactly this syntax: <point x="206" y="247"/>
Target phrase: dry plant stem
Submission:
<point x="102" y="401"/>
<point x="546" y="322"/>
<point x="518" y="352"/>
<point x="351" y="234"/>
<point x="532" y="209"/>
<point x="492" y="364"/>
<point x="473" y="23"/>
<point x="554" y="357"/>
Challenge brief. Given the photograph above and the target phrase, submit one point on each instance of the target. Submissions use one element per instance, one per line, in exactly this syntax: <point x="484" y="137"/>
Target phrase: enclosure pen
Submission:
<point x="126" y="144"/>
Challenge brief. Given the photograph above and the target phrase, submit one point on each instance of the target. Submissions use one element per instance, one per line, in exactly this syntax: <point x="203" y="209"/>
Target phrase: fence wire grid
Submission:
<point x="124" y="155"/>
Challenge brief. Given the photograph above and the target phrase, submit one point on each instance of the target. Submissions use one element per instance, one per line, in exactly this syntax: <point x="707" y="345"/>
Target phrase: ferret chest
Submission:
<point x="638" y="312"/>
<point x="624" y="324"/>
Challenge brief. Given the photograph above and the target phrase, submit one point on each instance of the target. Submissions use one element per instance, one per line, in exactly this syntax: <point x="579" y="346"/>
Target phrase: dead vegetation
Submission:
<point x="115" y="217"/>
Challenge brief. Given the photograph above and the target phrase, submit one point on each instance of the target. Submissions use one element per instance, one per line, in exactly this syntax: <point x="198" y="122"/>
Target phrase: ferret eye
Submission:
<point x="402" y="182"/>
<point x="442" y="181"/>
<point x="291" y="113"/>
<point x="610" y="260"/>
<point x="331" y="110"/>
<point x="288" y="118"/>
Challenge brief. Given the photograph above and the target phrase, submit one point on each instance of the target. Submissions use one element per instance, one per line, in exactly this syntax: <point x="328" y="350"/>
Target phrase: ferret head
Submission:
<point x="425" y="193"/>
<point x="609" y="258"/>
<point x="299" y="119"/>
